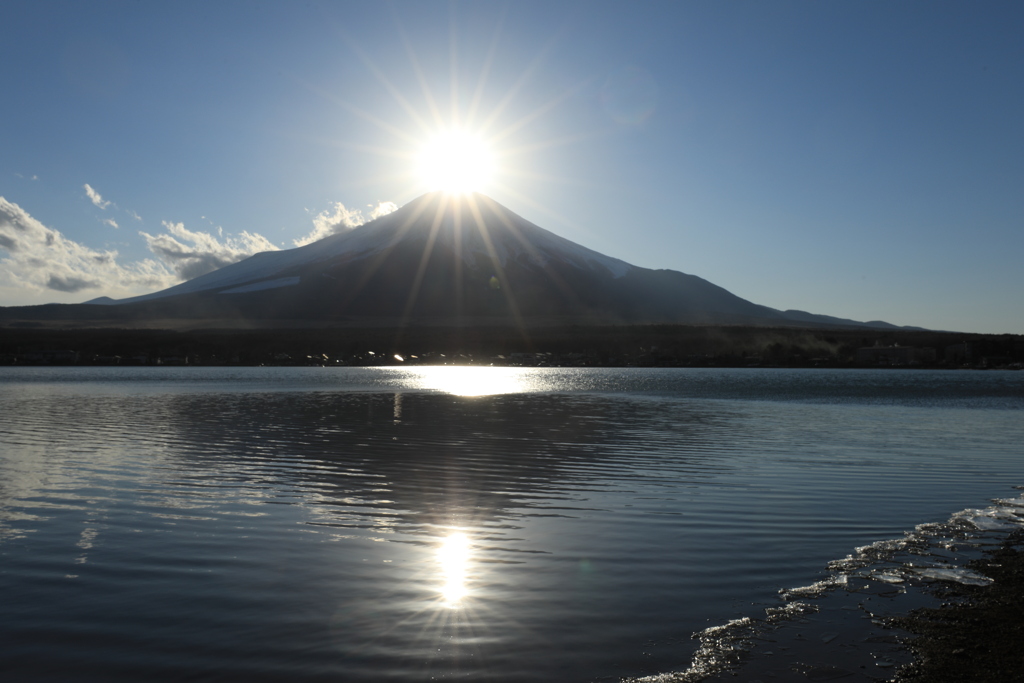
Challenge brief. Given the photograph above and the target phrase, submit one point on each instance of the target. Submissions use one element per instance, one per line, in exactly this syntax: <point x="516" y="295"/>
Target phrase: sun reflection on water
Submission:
<point x="453" y="556"/>
<point x="473" y="381"/>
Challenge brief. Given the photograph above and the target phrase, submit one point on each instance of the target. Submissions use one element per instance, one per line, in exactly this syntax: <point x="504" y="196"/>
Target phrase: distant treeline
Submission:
<point x="645" y="345"/>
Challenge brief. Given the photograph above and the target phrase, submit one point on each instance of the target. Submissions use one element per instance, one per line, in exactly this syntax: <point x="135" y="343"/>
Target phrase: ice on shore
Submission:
<point x="928" y="553"/>
<point x="957" y="574"/>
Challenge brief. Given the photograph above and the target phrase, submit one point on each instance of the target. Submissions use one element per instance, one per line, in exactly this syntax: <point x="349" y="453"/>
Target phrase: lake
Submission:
<point x="479" y="524"/>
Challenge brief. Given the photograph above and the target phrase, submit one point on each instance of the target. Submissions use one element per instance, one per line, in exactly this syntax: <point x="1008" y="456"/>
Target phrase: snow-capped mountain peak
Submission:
<point x="445" y="259"/>
<point x="478" y="230"/>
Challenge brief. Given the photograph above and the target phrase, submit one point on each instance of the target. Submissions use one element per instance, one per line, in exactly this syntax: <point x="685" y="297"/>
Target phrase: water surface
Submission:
<point x="310" y="524"/>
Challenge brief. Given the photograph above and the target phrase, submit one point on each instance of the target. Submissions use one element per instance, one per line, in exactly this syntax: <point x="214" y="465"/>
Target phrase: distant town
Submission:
<point x="607" y="346"/>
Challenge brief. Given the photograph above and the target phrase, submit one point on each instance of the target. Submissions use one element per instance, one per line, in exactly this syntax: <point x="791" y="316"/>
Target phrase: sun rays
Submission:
<point x="453" y="132"/>
<point x="464" y="142"/>
<point x="460" y="134"/>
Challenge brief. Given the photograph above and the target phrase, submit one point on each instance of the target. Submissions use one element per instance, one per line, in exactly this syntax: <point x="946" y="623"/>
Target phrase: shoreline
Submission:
<point x="943" y="605"/>
<point x="571" y="346"/>
<point x="976" y="635"/>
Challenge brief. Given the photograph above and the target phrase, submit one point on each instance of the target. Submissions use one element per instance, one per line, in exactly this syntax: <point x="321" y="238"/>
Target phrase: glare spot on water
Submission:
<point x="453" y="556"/>
<point x="474" y="381"/>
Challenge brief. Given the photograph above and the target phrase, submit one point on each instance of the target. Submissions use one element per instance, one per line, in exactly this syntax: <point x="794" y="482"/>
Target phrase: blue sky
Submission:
<point x="858" y="159"/>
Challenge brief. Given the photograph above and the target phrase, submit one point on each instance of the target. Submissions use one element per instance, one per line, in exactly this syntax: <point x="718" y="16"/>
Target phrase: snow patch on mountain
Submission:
<point x="265" y="284"/>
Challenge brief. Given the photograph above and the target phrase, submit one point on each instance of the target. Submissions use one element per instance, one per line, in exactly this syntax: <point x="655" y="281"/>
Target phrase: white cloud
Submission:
<point x="192" y="254"/>
<point x="326" y="223"/>
<point x="133" y="214"/>
<point x="111" y="222"/>
<point x="41" y="259"/>
<point x="95" y="197"/>
<point x="40" y="265"/>
<point x="382" y="209"/>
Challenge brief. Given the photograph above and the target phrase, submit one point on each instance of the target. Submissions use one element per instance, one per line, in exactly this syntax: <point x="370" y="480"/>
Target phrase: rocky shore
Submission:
<point x="944" y="604"/>
<point x="977" y="635"/>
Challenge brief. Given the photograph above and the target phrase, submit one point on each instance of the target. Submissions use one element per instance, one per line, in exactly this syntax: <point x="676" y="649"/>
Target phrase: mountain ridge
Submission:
<point x="441" y="259"/>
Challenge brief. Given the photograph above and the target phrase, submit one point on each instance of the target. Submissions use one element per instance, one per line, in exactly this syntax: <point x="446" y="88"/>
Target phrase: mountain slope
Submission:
<point x="439" y="259"/>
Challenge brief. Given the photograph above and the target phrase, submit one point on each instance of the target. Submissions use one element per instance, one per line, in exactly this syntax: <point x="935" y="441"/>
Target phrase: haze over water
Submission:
<point x="310" y="524"/>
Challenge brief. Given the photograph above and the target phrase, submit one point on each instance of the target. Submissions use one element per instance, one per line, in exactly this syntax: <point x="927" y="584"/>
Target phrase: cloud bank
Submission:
<point x="40" y="258"/>
<point x="35" y="258"/>
<point x="192" y="254"/>
<point x="326" y="223"/>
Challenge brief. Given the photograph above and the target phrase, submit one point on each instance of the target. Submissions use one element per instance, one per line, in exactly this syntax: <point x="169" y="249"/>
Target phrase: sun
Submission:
<point x="455" y="161"/>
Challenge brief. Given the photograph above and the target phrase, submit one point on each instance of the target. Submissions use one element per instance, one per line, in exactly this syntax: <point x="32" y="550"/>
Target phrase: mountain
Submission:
<point x="439" y="260"/>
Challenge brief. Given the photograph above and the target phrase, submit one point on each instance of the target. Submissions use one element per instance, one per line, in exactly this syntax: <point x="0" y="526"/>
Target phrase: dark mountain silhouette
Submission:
<point x="439" y="259"/>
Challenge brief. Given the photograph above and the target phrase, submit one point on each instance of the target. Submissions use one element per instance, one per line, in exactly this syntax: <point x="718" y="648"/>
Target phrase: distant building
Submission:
<point x="960" y="353"/>
<point x="894" y="355"/>
<point x="50" y="357"/>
